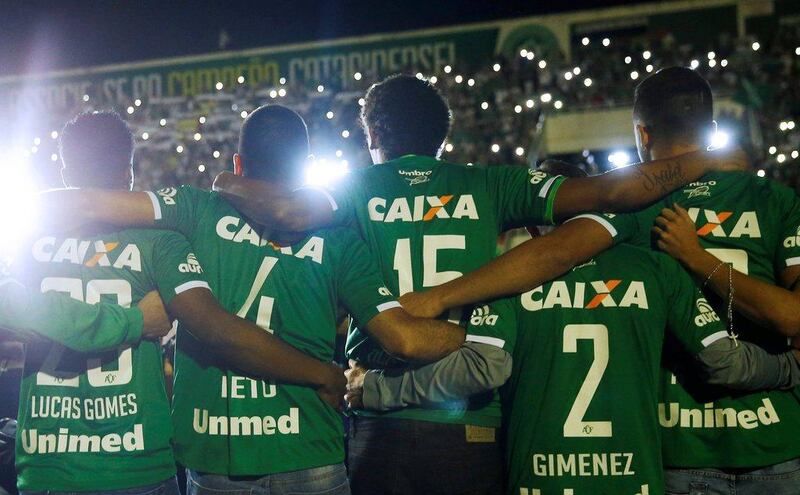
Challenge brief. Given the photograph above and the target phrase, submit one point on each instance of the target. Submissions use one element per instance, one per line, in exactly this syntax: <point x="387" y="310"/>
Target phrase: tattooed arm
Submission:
<point x="634" y="187"/>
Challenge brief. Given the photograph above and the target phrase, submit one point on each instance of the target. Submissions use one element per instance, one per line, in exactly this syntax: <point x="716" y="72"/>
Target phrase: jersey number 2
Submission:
<point x="575" y="426"/>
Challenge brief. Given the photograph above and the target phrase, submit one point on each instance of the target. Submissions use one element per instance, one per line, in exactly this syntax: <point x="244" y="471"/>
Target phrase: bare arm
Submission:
<point x="525" y="267"/>
<point x="632" y="188"/>
<point x="413" y="339"/>
<point x="68" y="209"/>
<point x="248" y="348"/>
<point x="270" y="203"/>
<point x="764" y="303"/>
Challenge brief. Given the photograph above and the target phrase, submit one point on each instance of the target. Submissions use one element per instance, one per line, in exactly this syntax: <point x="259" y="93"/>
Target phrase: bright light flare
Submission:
<point x="619" y="159"/>
<point x="323" y="172"/>
<point x="719" y="139"/>
<point x="17" y="201"/>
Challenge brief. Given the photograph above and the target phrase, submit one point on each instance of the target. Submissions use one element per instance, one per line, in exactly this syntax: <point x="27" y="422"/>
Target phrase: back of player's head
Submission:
<point x="273" y="144"/>
<point x="560" y="167"/>
<point x="676" y="106"/>
<point x="406" y="115"/>
<point x="97" y="151"/>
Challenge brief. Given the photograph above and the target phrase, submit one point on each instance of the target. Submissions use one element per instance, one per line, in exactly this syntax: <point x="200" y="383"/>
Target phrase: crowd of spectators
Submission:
<point x="499" y="110"/>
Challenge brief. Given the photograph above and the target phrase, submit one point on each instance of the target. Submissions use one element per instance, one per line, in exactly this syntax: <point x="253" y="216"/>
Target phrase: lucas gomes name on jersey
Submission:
<point x="226" y="423"/>
<point x="582" y="398"/>
<point x="99" y="421"/>
<point x="429" y="222"/>
<point x="753" y="224"/>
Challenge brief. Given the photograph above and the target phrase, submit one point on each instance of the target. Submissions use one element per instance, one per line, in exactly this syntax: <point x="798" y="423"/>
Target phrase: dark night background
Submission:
<point x="41" y="35"/>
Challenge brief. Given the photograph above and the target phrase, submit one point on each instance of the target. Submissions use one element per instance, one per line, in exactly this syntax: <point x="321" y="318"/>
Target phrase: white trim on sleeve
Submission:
<point x="482" y="339"/>
<point x="714" y="337"/>
<point x="327" y="195"/>
<point x="194" y="284"/>
<point x="793" y="261"/>
<point x="156" y="205"/>
<point x="388" y="305"/>
<point x="602" y="221"/>
<point x="546" y="187"/>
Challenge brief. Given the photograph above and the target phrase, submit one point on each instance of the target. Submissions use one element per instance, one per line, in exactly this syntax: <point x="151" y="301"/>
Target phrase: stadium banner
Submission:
<point x="330" y="62"/>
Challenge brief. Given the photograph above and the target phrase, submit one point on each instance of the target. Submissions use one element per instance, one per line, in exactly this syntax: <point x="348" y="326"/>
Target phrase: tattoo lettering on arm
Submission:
<point x="665" y="180"/>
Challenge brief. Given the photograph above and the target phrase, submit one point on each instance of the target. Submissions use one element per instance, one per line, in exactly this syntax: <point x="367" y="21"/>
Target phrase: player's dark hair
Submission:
<point x="676" y="105"/>
<point x="407" y="116"/>
<point x="97" y="150"/>
<point x="560" y="167"/>
<point x="273" y="144"/>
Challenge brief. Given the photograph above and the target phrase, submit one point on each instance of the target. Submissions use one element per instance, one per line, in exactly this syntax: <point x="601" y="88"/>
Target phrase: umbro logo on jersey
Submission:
<point x="792" y="241"/>
<point x="482" y="316"/>
<point x="168" y="195"/>
<point x="75" y="251"/>
<point x="699" y="189"/>
<point x="191" y="265"/>
<point x="415" y="177"/>
<point x="606" y="293"/>
<point x="707" y="314"/>
<point x="422" y="208"/>
<point x="717" y="223"/>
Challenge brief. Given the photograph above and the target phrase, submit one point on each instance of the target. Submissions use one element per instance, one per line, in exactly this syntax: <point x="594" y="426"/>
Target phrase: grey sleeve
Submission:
<point x="473" y="369"/>
<point x="747" y="366"/>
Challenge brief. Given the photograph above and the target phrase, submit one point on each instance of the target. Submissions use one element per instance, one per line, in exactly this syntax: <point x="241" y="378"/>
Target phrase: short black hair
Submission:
<point x="97" y="150"/>
<point x="407" y="115"/>
<point x="675" y="104"/>
<point x="273" y="144"/>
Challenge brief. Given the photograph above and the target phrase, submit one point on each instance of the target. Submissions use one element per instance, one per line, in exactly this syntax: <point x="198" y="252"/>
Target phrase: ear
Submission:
<point x="237" y="165"/>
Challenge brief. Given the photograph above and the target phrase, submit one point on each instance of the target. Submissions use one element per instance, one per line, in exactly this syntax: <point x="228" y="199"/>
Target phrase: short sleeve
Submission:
<point x="359" y="283"/>
<point x="495" y="324"/>
<point x="621" y="228"/>
<point x="175" y="267"/>
<point x="789" y="248"/>
<point x="176" y="208"/>
<point x="689" y="315"/>
<point x="524" y="196"/>
<point x="342" y="198"/>
<point x="72" y="323"/>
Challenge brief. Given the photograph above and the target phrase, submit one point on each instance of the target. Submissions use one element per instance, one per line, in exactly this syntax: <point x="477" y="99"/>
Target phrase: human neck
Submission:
<point x="672" y="150"/>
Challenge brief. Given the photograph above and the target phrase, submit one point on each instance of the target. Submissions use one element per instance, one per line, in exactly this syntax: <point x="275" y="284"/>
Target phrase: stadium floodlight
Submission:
<point x="85" y="97"/>
<point x="619" y="159"/>
<point x="576" y="70"/>
<point x="719" y="139"/>
<point x="496" y="67"/>
<point x="797" y="51"/>
<point x="781" y="158"/>
<point x="339" y="153"/>
<point x="712" y="63"/>
<point x="53" y="135"/>
<point x="361" y="102"/>
<point x="761" y="172"/>
<point x="243" y="114"/>
<point x="162" y="122"/>
<point x="179" y="148"/>
<point x="542" y="64"/>
<point x="202" y="119"/>
<point x="522" y="53"/>
<point x="471" y="82"/>
<point x="646" y="54"/>
<point x="282" y="92"/>
<point x="606" y="41"/>
<point x="585" y="41"/>
<point x="756" y="45"/>
<point x="568" y="76"/>
<point x="459" y="78"/>
<point x="201" y="168"/>
<point x="587" y="82"/>
<point x="712" y="55"/>
<point x="694" y="64"/>
<point x="320" y="88"/>
<point x="772" y="150"/>
<point x="137" y="102"/>
<point x="447" y="69"/>
<point x="345" y="134"/>
<point x="795" y="154"/>
<point x="329" y="115"/>
<point x="783" y="126"/>
<point x="282" y="80"/>
<point x="519" y="151"/>
<point x="530" y="55"/>
<point x="724" y="62"/>
<point x="420" y="76"/>
<point x="323" y="172"/>
<point x="634" y="75"/>
<point x="273" y="93"/>
<point x="219" y="86"/>
<point x="215" y="154"/>
<point x="198" y="136"/>
<point x="558" y="104"/>
<point x="518" y="109"/>
<point x="240" y="79"/>
<point x="649" y="68"/>
<point x="628" y="59"/>
<point x="485" y="105"/>
<point x="37" y="141"/>
<point x="790" y="125"/>
<point x="130" y="110"/>
<point x="145" y="136"/>
<point x="495" y="148"/>
<point x="357" y="76"/>
<point x="546" y="97"/>
<point x="448" y="147"/>
<point x="433" y="79"/>
<point x="54" y="157"/>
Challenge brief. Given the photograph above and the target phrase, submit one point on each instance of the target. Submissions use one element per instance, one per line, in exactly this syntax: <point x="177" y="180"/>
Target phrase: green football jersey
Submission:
<point x="583" y="395"/>
<point x="752" y="223"/>
<point x="428" y="222"/>
<point x="98" y="421"/>
<point x="230" y="424"/>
